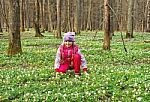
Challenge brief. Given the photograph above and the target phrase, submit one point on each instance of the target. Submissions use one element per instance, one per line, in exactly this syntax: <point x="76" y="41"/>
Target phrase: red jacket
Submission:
<point x="65" y="54"/>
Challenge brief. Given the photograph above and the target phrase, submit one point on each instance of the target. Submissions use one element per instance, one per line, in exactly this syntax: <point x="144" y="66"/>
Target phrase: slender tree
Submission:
<point x="106" y="42"/>
<point x="148" y="16"/>
<point x="82" y="14"/>
<point x="14" y="25"/>
<point x="78" y="16"/>
<point x="0" y="26"/>
<point x="50" y="26"/>
<point x="111" y="19"/>
<point x="129" y="33"/>
<point x="89" y="25"/>
<point x="64" y="16"/>
<point x="4" y="13"/>
<point x="1" y="19"/>
<point x="69" y="21"/>
<point x="27" y="14"/>
<point x="37" y="18"/>
<point x="22" y="20"/>
<point x="72" y="13"/>
<point x="43" y="17"/>
<point x="58" y="31"/>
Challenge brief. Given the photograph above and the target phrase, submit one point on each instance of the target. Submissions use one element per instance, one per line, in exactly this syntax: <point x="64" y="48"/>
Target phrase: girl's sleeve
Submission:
<point x="57" y="59"/>
<point x="83" y="61"/>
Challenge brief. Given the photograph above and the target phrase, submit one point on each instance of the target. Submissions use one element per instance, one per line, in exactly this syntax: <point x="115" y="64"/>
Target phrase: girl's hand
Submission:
<point x="86" y="73"/>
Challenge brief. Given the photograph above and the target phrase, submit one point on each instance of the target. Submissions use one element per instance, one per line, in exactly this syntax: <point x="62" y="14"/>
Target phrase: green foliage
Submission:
<point x="113" y="75"/>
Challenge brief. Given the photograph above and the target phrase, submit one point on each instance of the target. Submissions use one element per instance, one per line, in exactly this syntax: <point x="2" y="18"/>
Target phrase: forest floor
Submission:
<point x="114" y="75"/>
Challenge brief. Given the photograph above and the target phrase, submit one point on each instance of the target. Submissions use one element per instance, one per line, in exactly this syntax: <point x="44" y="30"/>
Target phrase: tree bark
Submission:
<point x="129" y="33"/>
<point x="22" y="15"/>
<point x="111" y="20"/>
<point x="89" y="25"/>
<point x="14" y="25"/>
<point x="1" y="19"/>
<point x="72" y="18"/>
<point x="106" y="43"/>
<point x="27" y="15"/>
<point x="58" y="31"/>
<point x="43" y="17"/>
<point x="50" y="26"/>
<point x="82" y="13"/>
<point x="64" y="22"/>
<point x="78" y="17"/>
<point x="148" y="17"/>
<point x="4" y="14"/>
<point x="0" y="26"/>
<point x="69" y="22"/>
<point x="37" y="18"/>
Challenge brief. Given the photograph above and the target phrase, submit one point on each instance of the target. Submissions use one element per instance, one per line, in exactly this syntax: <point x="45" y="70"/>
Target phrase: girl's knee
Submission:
<point x="77" y="56"/>
<point x="63" y="68"/>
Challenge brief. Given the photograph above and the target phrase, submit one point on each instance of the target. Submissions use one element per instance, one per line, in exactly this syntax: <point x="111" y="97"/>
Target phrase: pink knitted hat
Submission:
<point x="71" y="33"/>
<point x="69" y="38"/>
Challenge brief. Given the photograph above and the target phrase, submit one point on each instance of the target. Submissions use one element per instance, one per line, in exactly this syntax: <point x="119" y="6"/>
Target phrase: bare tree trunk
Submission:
<point x="72" y="18"/>
<point x="106" y="43"/>
<point x="22" y="15"/>
<point x="101" y="12"/>
<point x="129" y="33"/>
<point x="111" y="20"/>
<point x="85" y="16"/>
<point x="148" y="17"/>
<point x="46" y="18"/>
<point x="50" y="26"/>
<point x="143" y="19"/>
<point x="118" y="12"/>
<point x="27" y="14"/>
<point x="0" y="26"/>
<point x="43" y="17"/>
<point x="58" y="31"/>
<point x="4" y="14"/>
<point x="54" y="15"/>
<point x="77" y="17"/>
<point x="64" y="22"/>
<point x="37" y="17"/>
<point x="1" y="18"/>
<point x="69" y="22"/>
<point x="14" y="24"/>
<point x="89" y="25"/>
<point x="41" y="14"/>
<point x="82" y="14"/>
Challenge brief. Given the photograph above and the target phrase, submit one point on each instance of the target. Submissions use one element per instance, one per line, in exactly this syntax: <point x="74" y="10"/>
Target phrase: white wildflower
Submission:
<point x="139" y="98"/>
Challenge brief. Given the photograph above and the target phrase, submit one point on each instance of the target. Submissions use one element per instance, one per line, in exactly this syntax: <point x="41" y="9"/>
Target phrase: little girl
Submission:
<point x="68" y="56"/>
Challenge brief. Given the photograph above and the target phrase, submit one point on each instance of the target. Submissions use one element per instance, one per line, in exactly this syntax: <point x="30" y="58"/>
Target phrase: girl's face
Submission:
<point x="68" y="43"/>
